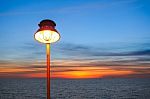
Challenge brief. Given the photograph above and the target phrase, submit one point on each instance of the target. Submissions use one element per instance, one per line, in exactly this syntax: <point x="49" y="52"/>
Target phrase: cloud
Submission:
<point x="72" y="9"/>
<point x="77" y="57"/>
<point x="72" y="66"/>
<point x="78" y="52"/>
<point x="140" y="52"/>
<point x="69" y="51"/>
<point x="75" y="49"/>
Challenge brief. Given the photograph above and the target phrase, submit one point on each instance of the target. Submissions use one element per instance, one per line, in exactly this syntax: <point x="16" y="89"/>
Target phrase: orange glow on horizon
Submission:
<point x="66" y="71"/>
<point x="90" y="74"/>
<point x="78" y="74"/>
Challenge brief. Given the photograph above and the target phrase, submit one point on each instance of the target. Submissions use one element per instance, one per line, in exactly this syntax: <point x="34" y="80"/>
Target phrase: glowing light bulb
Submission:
<point x="46" y="35"/>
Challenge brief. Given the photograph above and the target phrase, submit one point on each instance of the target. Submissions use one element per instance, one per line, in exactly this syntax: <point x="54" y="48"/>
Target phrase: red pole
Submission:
<point x="48" y="70"/>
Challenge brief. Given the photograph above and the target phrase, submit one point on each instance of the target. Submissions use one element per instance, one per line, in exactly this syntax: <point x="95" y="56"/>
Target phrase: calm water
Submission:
<point x="76" y="89"/>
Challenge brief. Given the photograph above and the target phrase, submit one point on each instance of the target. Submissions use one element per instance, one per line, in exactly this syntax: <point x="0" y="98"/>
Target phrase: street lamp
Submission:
<point x="47" y="34"/>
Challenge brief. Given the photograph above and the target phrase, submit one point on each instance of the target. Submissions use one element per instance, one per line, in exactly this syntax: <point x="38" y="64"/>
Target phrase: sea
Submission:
<point x="103" y="88"/>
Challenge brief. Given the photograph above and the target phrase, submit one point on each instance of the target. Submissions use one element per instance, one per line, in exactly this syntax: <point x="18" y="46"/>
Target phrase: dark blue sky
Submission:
<point x="96" y="32"/>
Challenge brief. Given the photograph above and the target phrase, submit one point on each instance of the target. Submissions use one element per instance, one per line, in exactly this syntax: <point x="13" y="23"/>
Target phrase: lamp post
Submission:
<point x="47" y="34"/>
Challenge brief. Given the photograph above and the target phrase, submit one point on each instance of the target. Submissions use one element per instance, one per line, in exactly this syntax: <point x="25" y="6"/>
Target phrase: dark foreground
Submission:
<point x="76" y="89"/>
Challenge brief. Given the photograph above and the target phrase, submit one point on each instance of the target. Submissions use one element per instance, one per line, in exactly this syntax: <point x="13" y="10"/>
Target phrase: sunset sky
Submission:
<point x="99" y="38"/>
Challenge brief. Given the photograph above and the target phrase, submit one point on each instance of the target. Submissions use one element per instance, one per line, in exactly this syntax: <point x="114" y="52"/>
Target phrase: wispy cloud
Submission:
<point x="69" y="51"/>
<point x="79" y="58"/>
<point x="76" y="51"/>
<point x="72" y="9"/>
<point x="83" y="50"/>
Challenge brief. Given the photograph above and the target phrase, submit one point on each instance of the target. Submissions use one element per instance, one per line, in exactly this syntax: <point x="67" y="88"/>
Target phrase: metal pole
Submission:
<point x="48" y="70"/>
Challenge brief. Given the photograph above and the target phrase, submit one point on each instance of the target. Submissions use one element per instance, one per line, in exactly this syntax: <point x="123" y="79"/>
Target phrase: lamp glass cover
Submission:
<point x="47" y="36"/>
